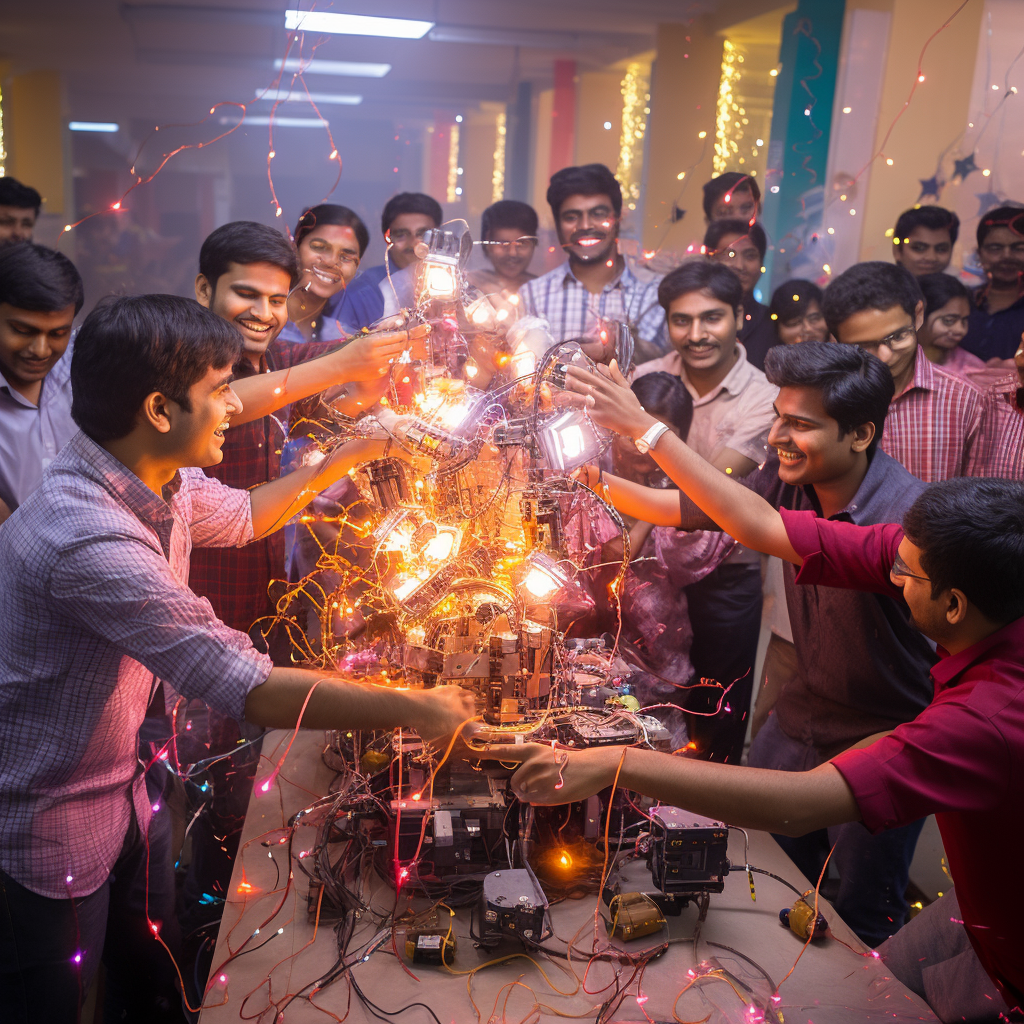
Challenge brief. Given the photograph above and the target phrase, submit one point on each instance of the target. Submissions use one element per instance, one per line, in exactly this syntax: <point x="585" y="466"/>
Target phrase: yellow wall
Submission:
<point x="598" y="100"/>
<point x="34" y="134"/>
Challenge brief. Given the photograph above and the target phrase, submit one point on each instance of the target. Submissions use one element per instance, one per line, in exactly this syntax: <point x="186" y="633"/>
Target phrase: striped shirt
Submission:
<point x="573" y="312"/>
<point x="1004" y="430"/>
<point x="94" y="608"/>
<point x="934" y="425"/>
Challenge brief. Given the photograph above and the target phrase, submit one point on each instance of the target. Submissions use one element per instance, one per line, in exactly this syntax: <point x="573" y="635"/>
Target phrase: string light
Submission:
<point x="453" y="164"/>
<point x="498" y="171"/>
<point x="730" y="115"/>
<point x="3" y="151"/>
<point x="635" y="99"/>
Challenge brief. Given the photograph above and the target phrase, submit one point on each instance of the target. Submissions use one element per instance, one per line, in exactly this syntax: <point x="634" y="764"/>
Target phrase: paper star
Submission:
<point x="986" y="201"/>
<point x="961" y="168"/>
<point x="930" y="187"/>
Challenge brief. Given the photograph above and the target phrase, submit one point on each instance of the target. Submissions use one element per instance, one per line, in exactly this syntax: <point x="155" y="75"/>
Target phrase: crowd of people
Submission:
<point x="842" y="465"/>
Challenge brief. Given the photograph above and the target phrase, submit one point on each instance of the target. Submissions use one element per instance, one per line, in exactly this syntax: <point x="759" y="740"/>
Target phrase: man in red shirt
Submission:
<point x="957" y="563"/>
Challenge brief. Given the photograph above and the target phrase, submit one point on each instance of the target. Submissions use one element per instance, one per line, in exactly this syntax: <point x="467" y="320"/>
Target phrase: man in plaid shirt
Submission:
<point x="935" y="420"/>
<point x="596" y="284"/>
<point x="95" y="610"/>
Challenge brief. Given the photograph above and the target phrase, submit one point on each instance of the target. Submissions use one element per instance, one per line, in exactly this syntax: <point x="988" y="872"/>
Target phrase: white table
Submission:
<point x="831" y="983"/>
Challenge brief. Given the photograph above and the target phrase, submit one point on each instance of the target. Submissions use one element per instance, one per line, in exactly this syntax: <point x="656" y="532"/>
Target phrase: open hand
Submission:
<point x="370" y="356"/>
<point x="609" y="399"/>
<point x="442" y="711"/>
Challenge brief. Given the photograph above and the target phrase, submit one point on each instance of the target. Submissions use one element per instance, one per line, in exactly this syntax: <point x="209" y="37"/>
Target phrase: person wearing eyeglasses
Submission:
<point x="935" y="423"/>
<point x="997" y="307"/>
<point x="855" y="665"/>
<point x="508" y="237"/>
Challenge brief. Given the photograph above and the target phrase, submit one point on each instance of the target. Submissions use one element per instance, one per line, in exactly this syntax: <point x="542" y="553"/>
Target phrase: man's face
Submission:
<point x="588" y="229"/>
<point x="925" y="251"/>
<point x="740" y="203"/>
<point x="740" y="255"/>
<point x="810" y="327"/>
<point x="16" y="224"/>
<point x="510" y="252"/>
<point x="702" y="330"/>
<point x="253" y="298"/>
<point x="328" y="259"/>
<point x="928" y="614"/>
<point x="890" y="334"/>
<point x="809" y="443"/>
<point x="30" y="343"/>
<point x="1002" y="257"/>
<point x="197" y="436"/>
<point x="406" y="230"/>
<point x="947" y="327"/>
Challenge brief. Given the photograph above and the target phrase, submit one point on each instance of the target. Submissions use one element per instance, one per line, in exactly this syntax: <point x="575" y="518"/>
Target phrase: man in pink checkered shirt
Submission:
<point x="95" y="610"/>
<point x="935" y="422"/>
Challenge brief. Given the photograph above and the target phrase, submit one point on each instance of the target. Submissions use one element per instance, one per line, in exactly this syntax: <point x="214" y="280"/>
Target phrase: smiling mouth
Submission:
<point x="588" y="242"/>
<point x="788" y="458"/>
<point x="326" y="276"/>
<point x="700" y="347"/>
<point x="219" y="432"/>
<point x="256" y="326"/>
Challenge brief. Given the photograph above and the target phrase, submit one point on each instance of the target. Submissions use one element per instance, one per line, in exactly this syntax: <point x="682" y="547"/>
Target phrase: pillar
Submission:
<point x="563" y="117"/>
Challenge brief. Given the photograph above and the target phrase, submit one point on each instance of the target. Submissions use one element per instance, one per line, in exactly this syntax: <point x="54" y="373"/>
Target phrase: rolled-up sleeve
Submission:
<point x="123" y="590"/>
<point x="221" y="516"/>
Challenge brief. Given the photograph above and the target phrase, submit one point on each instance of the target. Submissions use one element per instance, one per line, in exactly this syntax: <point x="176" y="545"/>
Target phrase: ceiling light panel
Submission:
<point x="355" y="24"/>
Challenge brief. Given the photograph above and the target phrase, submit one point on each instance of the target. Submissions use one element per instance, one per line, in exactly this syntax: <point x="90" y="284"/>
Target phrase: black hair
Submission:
<point x="871" y="285"/>
<point x="697" y="276"/>
<point x="731" y="181"/>
<point x="586" y="180"/>
<point x="856" y="387"/>
<point x="718" y="229"/>
<point x="244" y="242"/>
<point x="664" y="394"/>
<point x="328" y="213"/>
<point x="971" y="536"/>
<point x="1011" y="217"/>
<point x="938" y="289"/>
<point x="410" y="202"/>
<point x="129" y="347"/>
<point x="38" y="279"/>
<point x="934" y="218"/>
<point x="21" y="197"/>
<point x="508" y="213"/>
<point x="792" y="299"/>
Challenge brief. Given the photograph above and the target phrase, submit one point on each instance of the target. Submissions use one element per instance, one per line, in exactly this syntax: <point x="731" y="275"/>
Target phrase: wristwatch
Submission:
<point x="650" y="438"/>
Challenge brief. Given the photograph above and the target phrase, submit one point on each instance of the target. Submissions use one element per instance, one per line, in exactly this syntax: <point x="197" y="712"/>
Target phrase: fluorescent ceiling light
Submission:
<point x="294" y="95"/>
<point x="94" y="126"/>
<point x="279" y="122"/>
<point x="352" y="68"/>
<point x="356" y="24"/>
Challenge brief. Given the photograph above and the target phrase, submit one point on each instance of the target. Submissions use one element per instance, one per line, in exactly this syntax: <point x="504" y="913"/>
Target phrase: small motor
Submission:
<point x="800" y="918"/>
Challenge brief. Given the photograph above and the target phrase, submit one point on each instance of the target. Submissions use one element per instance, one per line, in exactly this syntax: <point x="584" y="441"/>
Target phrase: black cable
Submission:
<point x="771" y="874"/>
<point x="373" y="1008"/>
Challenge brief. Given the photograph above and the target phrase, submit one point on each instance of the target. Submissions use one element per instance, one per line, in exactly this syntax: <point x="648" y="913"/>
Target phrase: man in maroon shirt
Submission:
<point x="958" y="563"/>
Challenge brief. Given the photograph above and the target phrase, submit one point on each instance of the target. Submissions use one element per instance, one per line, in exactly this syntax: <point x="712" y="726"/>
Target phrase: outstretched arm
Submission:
<point x="734" y="508"/>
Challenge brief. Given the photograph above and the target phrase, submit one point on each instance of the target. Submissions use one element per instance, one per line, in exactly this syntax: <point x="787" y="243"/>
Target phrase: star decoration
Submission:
<point x="987" y="201"/>
<point x="961" y="168"/>
<point x="930" y="187"/>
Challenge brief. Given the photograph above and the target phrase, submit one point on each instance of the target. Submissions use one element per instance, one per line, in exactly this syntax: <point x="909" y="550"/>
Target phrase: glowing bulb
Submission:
<point x="847" y="110"/>
<point x="831" y="231"/>
<point x="920" y="78"/>
<point x="77" y="958"/>
<point x="702" y="135"/>
<point x="440" y="282"/>
<point x="680" y="175"/>
<point x="334" y="155"/>
<point x="888" y="160"/>
<point x="439" y="548"/>
<point x="986" y="172"/>
<point x="773" y="72"/>
<point x="827" y="269"/>
<point x="117" y="205"/>
<point x="416" y="796"/>
<point x="539" y="583"/>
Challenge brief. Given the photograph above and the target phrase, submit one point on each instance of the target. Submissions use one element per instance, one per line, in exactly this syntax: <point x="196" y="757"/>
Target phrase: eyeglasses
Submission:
<point x="891" y="341"/>
<point x="995" y="249"/>
<point x="900" y="568"/>
<point x="521" y="244"/>
<point x="400" y="235"/>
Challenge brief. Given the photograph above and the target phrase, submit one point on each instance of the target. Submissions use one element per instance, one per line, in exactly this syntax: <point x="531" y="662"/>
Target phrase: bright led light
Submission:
<point x="439" y="548"/>
<point x="279" y="122"/>
<point x="295" y="95"/>
<point x="539" y="583"/>
<point x="94" y="126"/>
<point x="356" y="24"/>
<point x="572" y="442"/>
<point x="404" y="589"/>
<point x="440" y="282"/>
<point x="607" y="126"/>
<point x="349" y="68"/>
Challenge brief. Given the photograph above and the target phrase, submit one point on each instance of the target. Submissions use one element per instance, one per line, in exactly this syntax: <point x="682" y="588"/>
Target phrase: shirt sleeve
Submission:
<point x="119" y="588"/>
<point x="951" y="757"/>
<point x="221" y="515"/>
<point x="841" y="554"/>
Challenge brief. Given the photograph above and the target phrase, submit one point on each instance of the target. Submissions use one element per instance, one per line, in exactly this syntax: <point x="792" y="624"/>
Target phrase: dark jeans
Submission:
<point x="40" y="938"/>
<point x="873" y="869"/>
<point x="725" y="613"/>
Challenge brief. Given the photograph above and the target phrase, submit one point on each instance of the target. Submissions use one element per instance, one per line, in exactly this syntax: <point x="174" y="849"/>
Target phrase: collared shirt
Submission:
<point x="236" y="580"/>
<point x="32" y="435"/>
<point x="94" y="608"/>
<point x="359" y="305"/>
<point x="324" y="329"/>
<point x="934" y="424"/>
<point x="862" y="667"/>
<point x="993" y="335"/>
<point x="573" y="312"/>
<point x="736" y="414"/>
<point x="962" y="363"/>
<point x="757" y="333"/>
<point x="961" y="758"/>
<point x="1004" y="430"/>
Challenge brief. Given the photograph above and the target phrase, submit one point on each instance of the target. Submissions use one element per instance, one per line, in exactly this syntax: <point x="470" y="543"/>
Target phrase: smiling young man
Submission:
<point x="508" y="235"/>
<point x="997" y="314"/>
<point x="95" y="609"/>
<point x="732" y="412"/>
<point x="935" y="423"/>
<point x="923" y="239"/>
<point x="829" y="414"/>
<point x="953" y="570"/>
<point x="40" y="295"/>
<point x="741" y="247"/>
<point x="595" y="284"/>
<point x="19" y="211"/>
